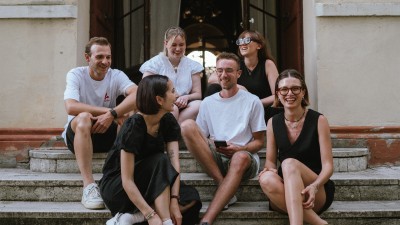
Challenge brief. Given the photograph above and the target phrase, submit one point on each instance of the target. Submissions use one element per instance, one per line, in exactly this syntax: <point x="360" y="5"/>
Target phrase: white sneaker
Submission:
<point x="91" y="198"/>
<point x="232" y="201"/>
<point x="126" y="219"/>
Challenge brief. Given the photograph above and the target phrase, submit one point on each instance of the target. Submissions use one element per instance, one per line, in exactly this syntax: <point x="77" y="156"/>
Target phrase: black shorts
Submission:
<point x="101" y="142"/>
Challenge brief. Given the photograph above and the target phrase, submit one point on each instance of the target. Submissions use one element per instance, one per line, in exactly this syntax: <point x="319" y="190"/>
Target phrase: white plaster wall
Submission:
<point x="310" y="57"/>
<point x="358" y="65"/>
<point x="36" y="53"/>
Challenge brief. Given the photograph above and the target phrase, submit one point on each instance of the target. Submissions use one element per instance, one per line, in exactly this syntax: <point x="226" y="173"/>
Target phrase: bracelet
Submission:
<point x="150" y="215"/>
<point x="114" y="113"/>
<point x="176" y="196"/>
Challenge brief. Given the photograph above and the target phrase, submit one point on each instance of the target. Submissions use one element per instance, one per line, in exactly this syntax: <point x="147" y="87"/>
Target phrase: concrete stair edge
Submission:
<point x="340" y="209"/>
<point x="63" y="161"/>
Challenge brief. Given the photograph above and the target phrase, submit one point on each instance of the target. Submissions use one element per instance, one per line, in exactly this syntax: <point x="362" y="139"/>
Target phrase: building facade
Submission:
<point x="350" y="61"/>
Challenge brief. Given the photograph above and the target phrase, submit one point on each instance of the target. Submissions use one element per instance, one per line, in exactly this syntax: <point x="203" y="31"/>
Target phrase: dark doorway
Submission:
<point x="211" y="25"/>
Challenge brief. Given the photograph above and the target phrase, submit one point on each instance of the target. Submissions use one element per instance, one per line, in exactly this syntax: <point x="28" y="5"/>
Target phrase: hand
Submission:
<point x="309" y="196"/>
<point x="176" y="215"/>
<point x="229" y="150"/>
<point x="102" y="123"/>
<point x="182" y="101"/>
<point x="155" y="220"/>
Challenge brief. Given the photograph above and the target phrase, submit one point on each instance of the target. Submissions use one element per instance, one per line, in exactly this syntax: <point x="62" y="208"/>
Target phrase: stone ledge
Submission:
<point x="341" y="212"/>
<point x="357" y="9"/>
<point x="62" y="160"/>
<point x="25" y="185"/>
<point x="38" y="11"/>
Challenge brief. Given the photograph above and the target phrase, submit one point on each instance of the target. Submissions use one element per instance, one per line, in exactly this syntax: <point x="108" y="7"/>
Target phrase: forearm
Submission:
<point x="173" y="155"/>
<point x="74" y="108"/>
<point x="253" y="146"/>
<point x="194" y="96"/>
<point x="128" y="105"/>
<point x="268" y="100"/>
<point x="269" y="164"/>
<point x="136" y="197"/>
<point x="323" y="176"/>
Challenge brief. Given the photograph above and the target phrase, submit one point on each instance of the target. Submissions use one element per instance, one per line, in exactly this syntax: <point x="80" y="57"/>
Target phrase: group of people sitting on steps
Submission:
<point x="246" y="102"/>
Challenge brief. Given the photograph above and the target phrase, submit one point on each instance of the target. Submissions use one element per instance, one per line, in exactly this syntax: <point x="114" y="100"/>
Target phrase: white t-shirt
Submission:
<point x="82" y="88"/>
<point x="233" y="119"/>
<point x="182" y="79"/>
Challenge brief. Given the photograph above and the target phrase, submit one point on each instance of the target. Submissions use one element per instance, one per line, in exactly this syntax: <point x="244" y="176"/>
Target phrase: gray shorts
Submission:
<point x="223" y="163"/>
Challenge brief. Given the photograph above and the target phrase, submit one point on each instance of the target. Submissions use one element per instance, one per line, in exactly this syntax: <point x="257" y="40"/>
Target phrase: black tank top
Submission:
<point x="306" y="148"/>
<point x="256" y="82"/>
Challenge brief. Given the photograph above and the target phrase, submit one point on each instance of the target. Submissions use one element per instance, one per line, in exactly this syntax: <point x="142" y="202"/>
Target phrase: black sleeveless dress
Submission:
<point x="256" y="82"/>
<point x="306" y="148"/>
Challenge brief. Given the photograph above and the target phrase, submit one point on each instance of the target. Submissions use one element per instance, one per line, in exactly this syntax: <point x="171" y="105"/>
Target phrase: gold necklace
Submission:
<point x="296" y="122"/>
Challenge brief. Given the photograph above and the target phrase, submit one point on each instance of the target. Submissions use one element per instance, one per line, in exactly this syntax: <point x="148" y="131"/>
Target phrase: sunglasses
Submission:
<point x="243" y="41"/>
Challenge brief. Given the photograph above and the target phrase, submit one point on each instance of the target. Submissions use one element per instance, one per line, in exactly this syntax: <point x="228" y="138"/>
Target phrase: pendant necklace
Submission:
<point x="295" y="122"/>
<point x="249" y="71"/>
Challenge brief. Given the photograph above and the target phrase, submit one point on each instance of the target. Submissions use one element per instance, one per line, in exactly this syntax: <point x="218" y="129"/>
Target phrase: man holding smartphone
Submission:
<point x="236" y="117"/>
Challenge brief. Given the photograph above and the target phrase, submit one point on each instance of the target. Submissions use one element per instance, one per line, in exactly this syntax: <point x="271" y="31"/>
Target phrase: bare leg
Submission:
<point x="286" y="197"/>
<point x="190" y="112"/>
<point x="272" y="185"/>
<point x="239" y="164"/>
<point x="199" y="148"/>
<point x="82" y="125"/>
<point x="161" y="204"/>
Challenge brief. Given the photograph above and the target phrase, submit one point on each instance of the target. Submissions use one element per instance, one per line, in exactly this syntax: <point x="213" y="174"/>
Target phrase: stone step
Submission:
<point x="61" y="160"/>
<point x="381" y="183"/>
<point x="247" y="213"/>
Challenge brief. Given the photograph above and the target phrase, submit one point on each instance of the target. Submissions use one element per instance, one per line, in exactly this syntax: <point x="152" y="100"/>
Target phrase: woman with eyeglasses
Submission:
<point x="258" y="67"/>
<point x="184" y="73"/>
<point x="300" y="139"/>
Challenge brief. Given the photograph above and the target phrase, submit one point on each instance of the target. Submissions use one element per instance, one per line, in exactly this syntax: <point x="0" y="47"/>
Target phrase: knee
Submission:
<point x="269" y="182"/>
<point x="290" y="166"/>
<point x="240" y="161"/>
<point x="188" y="127"/>
<point x="195" y="104"/>
<point x="83" y="121"/>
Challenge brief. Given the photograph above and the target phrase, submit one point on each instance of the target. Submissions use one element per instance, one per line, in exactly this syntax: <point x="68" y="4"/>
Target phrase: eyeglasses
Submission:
<point x="227" y="70"/>
<point x="243" y="41"/>
<point x="285" y="90"/>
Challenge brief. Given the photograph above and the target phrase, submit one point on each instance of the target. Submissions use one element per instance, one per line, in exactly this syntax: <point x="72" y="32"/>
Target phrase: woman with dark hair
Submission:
<point x="139" y="180"/>
<point x="259" y="71"/>
<point x="300" y="139"/>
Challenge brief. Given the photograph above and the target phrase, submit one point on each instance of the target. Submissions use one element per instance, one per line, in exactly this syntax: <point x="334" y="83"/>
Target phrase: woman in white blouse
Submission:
<point x="185" y="73"/>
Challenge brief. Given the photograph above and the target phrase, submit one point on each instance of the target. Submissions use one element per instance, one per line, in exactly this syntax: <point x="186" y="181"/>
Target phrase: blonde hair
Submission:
<point x="172" y="33"/>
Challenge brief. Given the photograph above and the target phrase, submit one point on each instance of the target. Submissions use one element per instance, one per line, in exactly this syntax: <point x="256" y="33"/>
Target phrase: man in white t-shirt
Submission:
<point x="232" y="115"/>
<point x="93" y="115"/>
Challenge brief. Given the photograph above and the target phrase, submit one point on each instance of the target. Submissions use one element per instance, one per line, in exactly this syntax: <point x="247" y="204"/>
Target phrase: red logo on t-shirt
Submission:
<point x="106" y="98"/>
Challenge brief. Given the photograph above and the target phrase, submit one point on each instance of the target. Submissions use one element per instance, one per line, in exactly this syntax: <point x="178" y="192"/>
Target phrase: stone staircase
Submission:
<point x="49" y="192"/>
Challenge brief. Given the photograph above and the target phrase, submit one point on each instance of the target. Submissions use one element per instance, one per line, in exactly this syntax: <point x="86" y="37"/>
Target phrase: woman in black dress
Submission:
<point x="300" y="139"/>
<point x="259" y="71"/>
<point x="139" y="180"/>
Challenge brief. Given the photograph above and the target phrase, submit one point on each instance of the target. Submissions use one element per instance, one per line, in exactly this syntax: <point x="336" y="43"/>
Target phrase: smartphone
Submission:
<point x="219" y="143"/>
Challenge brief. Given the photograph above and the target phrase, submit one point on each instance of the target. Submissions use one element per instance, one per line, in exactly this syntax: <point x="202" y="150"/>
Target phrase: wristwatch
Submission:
<point x="114" y="113"/>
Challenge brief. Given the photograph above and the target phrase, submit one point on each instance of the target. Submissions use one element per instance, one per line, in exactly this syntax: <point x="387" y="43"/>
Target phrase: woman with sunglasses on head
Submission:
<point x="300" y="139"/>
<point x="184" y="72"/>
<point x="258" y="67"/>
